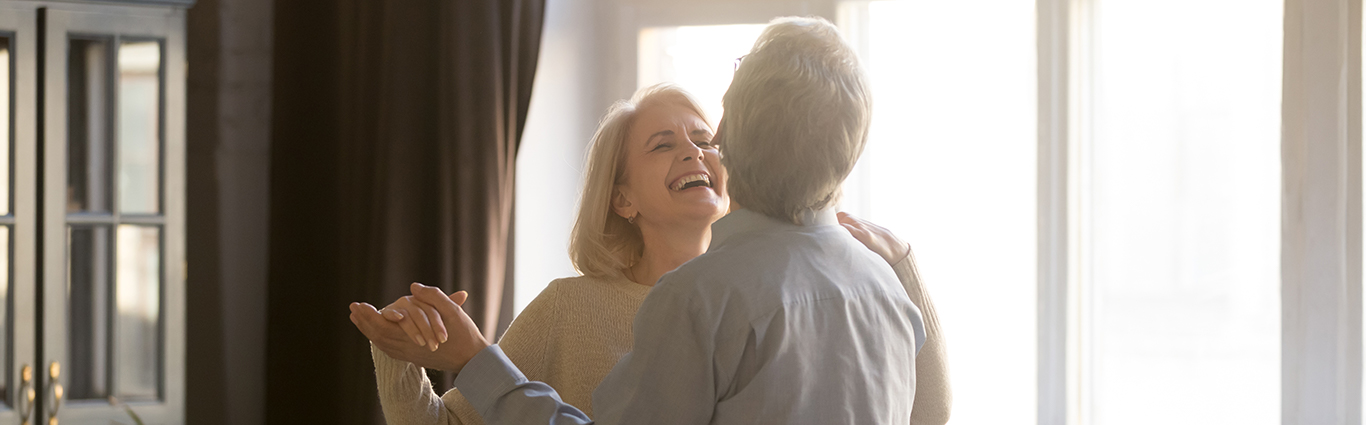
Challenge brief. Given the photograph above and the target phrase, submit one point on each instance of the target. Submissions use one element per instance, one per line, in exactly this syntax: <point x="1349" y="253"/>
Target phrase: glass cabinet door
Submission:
<point x="113" y="285"/>
<point x="18" y="219"/>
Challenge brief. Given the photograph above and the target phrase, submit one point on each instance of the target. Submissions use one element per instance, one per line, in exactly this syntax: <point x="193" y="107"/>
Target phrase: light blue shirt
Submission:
<point x="776" y="323"/>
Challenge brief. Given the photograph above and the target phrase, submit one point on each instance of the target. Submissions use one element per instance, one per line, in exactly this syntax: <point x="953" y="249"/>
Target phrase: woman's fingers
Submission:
<point x="438" y="326"/>
<point x="435" y="297"/>
<point x="394" y="314"/>
<point x="877" y="238"/>
<point x="353" y="309"/>
<point x="361" y="316"/>
<point x="418" y="316"/>
<point x="399" y="310"/>
<point x="459" y="297"/>
<point x="385" y="335"/>
<point x="853" y="224"/>
<point x="410" y="328"/>
<point x="858" y="233"/>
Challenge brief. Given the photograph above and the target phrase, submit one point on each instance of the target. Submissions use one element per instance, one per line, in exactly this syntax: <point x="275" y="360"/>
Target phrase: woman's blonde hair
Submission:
<point x="603" y="243"/>
<point x="797" y="116"/>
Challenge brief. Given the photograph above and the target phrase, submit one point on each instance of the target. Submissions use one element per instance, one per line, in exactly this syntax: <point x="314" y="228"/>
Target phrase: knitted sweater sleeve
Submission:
<point x="406" y="395"/>
<point x="933" y="398"/>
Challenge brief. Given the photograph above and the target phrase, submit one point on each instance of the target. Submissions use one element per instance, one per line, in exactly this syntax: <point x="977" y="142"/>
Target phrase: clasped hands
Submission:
<point x="427" y="328"/>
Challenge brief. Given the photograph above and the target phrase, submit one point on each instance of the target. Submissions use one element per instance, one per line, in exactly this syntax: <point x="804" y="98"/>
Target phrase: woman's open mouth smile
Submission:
<point x="690" y="181"/>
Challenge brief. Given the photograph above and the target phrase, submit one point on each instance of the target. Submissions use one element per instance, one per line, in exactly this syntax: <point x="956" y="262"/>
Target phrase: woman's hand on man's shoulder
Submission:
<point x="877" y="238"/>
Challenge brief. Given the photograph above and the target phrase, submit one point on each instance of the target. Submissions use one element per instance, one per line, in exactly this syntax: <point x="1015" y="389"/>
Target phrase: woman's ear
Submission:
<point x="622" y="205"/>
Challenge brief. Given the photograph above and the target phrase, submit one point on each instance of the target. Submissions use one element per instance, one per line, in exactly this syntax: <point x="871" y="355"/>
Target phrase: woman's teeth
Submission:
<point x="692" y="181"/>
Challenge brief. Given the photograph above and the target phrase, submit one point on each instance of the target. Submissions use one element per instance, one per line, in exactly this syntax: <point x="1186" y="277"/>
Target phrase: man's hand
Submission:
<point x="463" y="341"/>
<point x="876" y="238"/>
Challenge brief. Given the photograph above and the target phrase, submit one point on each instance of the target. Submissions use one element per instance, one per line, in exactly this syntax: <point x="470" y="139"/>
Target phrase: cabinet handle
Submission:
<point x="26" y="393"/>
<point x="54" y="371"/>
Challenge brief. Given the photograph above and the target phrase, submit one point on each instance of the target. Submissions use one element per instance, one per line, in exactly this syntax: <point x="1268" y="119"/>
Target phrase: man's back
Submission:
<point x="793" y="324"/>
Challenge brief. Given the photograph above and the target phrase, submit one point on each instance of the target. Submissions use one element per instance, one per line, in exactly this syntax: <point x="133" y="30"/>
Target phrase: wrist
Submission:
<point x="897" y="258"/>
<point x="462" y="358"/>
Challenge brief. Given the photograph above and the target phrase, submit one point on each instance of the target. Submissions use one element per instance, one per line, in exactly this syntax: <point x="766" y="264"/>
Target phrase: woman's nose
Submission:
<point x="691" y="152"/>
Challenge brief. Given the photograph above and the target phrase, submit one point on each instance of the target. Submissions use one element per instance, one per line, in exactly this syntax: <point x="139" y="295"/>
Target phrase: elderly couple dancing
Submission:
<point x="752" y="300"/>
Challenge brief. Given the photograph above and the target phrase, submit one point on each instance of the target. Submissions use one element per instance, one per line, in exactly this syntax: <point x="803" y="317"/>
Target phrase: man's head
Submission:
<point x="796" y="119"/>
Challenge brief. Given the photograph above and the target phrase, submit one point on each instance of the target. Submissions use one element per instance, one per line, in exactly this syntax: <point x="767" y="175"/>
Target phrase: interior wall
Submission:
<point x="566" y="104"/>
<point x="229" y="107"/>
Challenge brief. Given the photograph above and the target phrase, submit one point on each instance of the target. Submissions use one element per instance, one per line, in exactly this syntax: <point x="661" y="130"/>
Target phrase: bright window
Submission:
<point x="951" y="168"/>
<point x="1181" y="201"/>
<point x="701" y="59"/>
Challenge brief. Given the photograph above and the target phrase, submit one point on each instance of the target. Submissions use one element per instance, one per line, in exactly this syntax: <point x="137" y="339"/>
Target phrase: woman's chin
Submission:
<point x="708" y="209"/>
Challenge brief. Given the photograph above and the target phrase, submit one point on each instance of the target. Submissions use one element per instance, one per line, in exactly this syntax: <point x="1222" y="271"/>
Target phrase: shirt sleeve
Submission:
<point x="667" y="379"/>
<point x="502" y="395"/>
<point x="933" y="396"/>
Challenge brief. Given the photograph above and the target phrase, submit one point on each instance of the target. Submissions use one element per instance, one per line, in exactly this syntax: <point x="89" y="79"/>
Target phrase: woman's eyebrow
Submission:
<point x="701" y="132"/>
<point x="660" y="133"/>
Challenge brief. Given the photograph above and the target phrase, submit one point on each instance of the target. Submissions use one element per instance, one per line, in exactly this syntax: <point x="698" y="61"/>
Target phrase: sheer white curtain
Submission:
<point x="951" y="168"/>
<point x="1181" y="248"/>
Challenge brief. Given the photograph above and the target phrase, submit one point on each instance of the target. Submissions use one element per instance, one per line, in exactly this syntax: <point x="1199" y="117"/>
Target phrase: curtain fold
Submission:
<point x="395" y="134"/>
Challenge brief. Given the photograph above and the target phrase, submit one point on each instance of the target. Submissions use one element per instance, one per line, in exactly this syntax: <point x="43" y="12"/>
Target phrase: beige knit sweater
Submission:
<point x="574" y="332"/>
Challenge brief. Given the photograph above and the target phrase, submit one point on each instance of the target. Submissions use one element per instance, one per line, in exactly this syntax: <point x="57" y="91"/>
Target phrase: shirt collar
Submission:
<point x="745" y="220"/>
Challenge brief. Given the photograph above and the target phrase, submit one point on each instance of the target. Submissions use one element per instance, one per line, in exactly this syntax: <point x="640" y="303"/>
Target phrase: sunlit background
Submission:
<point x="1183" y="198"/>
<point x="950" y="167"/>
<point x="700" y="59"/>
<point x="1179" y="206"/>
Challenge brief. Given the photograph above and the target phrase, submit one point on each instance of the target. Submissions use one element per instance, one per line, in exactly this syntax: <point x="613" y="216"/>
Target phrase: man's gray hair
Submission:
<point x="796" y="119"/>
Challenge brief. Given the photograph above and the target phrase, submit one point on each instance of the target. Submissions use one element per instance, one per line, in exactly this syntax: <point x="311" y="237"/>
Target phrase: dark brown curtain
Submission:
<point x="395" y="133"/>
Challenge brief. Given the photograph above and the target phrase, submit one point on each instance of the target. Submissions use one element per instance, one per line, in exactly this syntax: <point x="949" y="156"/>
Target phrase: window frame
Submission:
<point x="1321" y="331"/>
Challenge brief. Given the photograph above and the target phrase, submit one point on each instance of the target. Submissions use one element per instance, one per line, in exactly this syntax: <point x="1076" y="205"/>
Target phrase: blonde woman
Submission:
<point x="654" y="186"/>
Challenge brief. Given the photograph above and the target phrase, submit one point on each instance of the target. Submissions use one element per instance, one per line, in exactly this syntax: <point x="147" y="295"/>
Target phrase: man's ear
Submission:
<point x="622" y="205"/>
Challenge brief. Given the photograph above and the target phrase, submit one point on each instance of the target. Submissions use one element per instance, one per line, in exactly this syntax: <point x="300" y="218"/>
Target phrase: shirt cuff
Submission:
<point x="486" y="377"/>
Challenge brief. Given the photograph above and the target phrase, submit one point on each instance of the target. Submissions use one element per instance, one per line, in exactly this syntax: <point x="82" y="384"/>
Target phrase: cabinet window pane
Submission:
<point x="6" y="135"/>
<point x="950" y="167"/>
<point x="138" y="299"/>
<point x="139" y="134"/>
<point x="1184" y="213"/>
<point x="89" y="270"/>
<point x="88" y="187"/>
